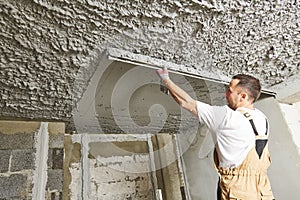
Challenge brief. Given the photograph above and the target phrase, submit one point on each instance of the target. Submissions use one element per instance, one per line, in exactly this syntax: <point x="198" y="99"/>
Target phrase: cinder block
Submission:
<point x="13" y="187"/>
<point x="56" y="141"/>
<point x="56" y="158"/>
<point x="17" y="141"/>
<point x="55" y="180"/>
<point x="4" y="160"/>
<point x="56" y="196"/>
<point x="22" y="160"/>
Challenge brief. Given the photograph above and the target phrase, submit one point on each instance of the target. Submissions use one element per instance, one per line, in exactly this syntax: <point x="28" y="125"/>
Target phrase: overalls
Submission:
<point x="248" y="181"/>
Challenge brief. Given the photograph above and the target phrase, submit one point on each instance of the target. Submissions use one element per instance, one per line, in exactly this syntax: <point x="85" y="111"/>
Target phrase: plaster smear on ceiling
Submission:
<point x="44" y="44"/>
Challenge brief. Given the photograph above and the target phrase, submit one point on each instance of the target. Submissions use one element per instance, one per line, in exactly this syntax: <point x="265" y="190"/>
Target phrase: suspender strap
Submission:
<point x="253" y="126"/>
<point x="260" y="140"/>
<point x="249" y="117"/>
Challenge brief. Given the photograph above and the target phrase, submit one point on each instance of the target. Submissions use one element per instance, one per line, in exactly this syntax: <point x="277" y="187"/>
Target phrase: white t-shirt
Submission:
<point x="231" y="131"/>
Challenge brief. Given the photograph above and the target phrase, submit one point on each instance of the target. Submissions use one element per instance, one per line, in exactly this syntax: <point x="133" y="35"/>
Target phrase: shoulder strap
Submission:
<point x="249" y="117"/>
<point x="261" y="140"/>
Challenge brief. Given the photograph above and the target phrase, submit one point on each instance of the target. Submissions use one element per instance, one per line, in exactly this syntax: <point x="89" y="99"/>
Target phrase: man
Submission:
<point x="239" y="132"/>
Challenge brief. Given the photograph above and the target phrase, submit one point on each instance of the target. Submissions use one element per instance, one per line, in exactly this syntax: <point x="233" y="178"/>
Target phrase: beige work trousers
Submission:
<point x="249" y="181"/>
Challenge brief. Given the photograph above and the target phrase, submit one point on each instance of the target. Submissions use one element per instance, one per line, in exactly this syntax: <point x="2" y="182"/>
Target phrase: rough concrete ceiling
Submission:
<point x="45" y="43"/>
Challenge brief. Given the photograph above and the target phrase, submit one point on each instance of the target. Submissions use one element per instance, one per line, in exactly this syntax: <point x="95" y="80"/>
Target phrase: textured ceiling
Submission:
<point x="44" y="44"/>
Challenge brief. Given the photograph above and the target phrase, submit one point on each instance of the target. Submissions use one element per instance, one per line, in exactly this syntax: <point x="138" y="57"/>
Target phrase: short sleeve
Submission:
<point x="211" y="116"/>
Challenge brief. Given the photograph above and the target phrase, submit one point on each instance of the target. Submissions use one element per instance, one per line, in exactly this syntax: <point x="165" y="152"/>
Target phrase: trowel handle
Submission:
<point x="163" y="88"/>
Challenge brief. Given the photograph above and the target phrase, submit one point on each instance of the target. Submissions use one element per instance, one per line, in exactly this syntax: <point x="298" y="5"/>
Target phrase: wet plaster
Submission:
<point x="126" y="98"/>
<point x="44" y="44"/>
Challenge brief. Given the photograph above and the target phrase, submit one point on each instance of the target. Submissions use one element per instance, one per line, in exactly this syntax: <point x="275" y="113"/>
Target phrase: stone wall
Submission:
<point x="31" y="158"/>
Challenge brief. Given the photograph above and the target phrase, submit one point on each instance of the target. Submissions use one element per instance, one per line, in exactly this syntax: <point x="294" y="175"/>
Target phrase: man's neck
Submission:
<point x="248" y="106"/>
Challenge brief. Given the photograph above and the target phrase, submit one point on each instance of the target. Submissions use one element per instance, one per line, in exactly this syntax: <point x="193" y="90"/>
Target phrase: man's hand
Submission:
<point x="163" y="73"/>
<point x="179" y="95"/>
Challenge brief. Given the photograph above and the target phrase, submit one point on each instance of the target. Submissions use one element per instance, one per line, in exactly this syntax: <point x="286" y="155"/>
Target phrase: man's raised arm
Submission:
<point x="180" y="96"/>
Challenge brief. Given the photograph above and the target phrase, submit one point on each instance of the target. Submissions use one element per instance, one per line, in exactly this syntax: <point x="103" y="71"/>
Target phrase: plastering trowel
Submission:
<point x="153" y="63"/>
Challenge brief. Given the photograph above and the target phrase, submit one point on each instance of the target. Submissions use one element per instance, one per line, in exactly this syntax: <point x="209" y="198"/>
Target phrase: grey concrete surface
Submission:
<point x="44" y="44"/>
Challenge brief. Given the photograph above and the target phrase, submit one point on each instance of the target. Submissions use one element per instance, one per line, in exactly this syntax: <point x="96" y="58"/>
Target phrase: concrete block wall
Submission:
<point x="26" y="172"/>
<point x="119" y="166"/>
<point x="108" y="179"/>
<point x="107" y="168"/>
<point x="107" y="174"/>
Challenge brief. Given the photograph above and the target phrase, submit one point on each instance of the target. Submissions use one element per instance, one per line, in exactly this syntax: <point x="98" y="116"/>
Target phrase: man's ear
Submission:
<point x="244" y="95"/>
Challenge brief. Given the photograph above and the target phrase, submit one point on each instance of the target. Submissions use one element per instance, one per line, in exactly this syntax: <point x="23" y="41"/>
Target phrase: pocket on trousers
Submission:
<point x="267" y="194"/>
<point x="265" y="189"/>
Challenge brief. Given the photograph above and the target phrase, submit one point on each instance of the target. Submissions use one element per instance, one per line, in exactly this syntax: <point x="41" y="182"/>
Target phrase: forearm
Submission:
<point x="181" y="97"/>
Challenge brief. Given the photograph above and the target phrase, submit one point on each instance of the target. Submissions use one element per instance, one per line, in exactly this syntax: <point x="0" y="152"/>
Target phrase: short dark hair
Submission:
<point x="250" y="84"/>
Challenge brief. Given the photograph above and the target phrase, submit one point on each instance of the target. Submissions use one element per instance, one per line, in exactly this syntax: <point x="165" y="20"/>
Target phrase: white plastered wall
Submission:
<point x="291" y="114"/>
<point x="284" y="171"/>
